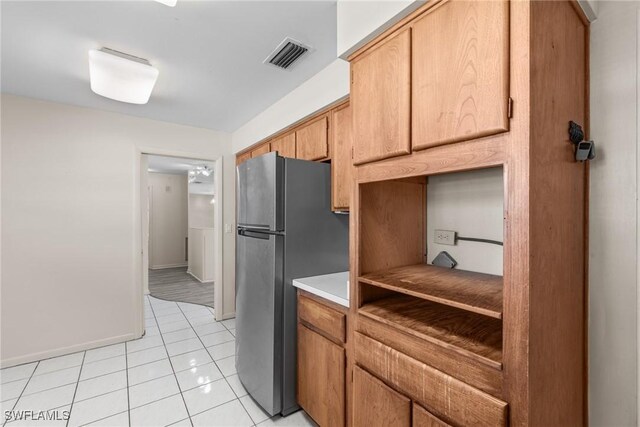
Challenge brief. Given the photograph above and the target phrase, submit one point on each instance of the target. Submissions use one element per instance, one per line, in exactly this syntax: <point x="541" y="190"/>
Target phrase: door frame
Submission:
<point x="141" y="256"/>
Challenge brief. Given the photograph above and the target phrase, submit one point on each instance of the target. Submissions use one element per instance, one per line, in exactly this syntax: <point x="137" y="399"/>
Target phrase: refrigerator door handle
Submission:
<point x="258" y="233"/>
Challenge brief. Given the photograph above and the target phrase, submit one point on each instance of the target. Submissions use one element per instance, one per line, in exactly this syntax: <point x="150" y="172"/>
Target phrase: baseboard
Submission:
<point x="229" y="316"/>
<point x="199" y="279"/>
<point x="5" y="363"/>
<point x="162" y="267"/>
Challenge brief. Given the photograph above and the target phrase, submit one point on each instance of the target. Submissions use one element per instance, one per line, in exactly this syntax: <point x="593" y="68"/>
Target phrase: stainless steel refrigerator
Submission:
<point x="286" y="230"/>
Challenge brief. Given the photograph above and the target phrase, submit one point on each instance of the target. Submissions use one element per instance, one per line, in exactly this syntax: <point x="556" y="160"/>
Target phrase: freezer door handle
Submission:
<point x="258" y="233"/>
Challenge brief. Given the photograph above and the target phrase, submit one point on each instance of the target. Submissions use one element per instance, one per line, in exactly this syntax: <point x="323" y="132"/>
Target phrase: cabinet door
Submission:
<point x="242" y="157"/>
<point x="285" y="145"/>
<point x="424" y="418"/>
<point x="376" y="404"/>
<point x="321" y="378"/>
<point x="311" y="140"/>
<point x="381" y="100"/>
<point x="341" y="161"/>
<point x="460" y="72"/>
<point x="262" y="149"/>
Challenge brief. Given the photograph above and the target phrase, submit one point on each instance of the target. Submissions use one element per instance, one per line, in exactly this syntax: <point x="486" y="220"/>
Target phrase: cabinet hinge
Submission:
<point x="510" y="108"/>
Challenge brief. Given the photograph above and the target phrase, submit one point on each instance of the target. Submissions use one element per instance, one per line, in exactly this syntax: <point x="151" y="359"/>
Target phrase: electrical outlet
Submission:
<point x="445" y="237"/>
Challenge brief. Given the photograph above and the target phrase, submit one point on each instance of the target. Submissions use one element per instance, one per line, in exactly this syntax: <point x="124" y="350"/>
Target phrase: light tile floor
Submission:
<point x="181" y="373"/>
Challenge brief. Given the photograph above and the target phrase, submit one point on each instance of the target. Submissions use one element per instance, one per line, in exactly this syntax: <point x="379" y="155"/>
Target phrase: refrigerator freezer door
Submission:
<point x="259" y="317"/>
<point x="259" y="193"/>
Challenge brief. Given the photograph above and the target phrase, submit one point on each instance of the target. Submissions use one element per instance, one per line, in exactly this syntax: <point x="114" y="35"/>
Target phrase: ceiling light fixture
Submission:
<point x="120" y="76"/>
<point x="169" y="3"/>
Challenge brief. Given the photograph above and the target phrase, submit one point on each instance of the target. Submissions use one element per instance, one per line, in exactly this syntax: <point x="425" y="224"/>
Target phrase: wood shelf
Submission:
<point x="472" y="335"/>
<point x="475" y="292"/>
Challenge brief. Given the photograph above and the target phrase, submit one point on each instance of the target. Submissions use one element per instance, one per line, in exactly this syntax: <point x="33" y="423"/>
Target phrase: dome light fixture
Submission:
<point x="122" y="77"/>
<point x="170" y="3"/>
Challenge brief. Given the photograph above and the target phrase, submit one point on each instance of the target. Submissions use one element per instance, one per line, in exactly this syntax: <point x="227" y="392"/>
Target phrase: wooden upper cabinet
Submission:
<point x="242" y="157"/>
<point x="312" y="142"/>
<point x="341" y="161"/>
<point x="376" y="404"/>
<point x="260" y="150"/>
<point x="381" y="100"/>
<point x="285" y="145"/>
<point x="460" y="72"/>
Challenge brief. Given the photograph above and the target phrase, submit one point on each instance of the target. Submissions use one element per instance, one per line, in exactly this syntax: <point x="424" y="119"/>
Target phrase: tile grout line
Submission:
<point x="184" y="402"/>
<point x="224" y="377"/>
<point x="126" y="365"/>
<point x="22" y="392"/>
<point x="76" y="389"/>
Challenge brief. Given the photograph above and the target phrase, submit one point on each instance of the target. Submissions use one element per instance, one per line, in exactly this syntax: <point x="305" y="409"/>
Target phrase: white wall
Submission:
<point x="169" y="213"/>
<point x="71" y="223"/>
<point x="470" y="203"/>
<point x="326" y="87"/>
<point x="360" y="21"/>
<point x="613" y="253"/>
<point x="201" y="211"/>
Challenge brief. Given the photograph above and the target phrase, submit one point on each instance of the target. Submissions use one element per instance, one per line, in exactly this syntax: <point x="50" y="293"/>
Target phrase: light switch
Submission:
<point x="228" y="228"/>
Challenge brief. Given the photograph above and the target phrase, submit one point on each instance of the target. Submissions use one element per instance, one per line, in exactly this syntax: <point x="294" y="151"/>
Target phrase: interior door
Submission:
<point x="259" y="287"/>
<point x="259" y="193"/>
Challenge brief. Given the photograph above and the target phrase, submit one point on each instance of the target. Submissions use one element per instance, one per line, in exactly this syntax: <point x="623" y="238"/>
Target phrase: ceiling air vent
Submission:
<point x="287" y="53"/>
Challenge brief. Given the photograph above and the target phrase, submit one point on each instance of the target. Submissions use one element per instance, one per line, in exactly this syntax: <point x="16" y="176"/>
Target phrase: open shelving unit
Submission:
<point x="457" y="311"/>
<point x="475" y="292"/>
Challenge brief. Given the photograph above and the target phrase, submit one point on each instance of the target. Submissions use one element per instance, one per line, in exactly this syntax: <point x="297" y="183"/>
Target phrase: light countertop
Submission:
<point x="333" y="287"/>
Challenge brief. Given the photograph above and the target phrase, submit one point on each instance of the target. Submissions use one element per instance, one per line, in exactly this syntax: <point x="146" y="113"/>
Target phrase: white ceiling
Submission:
<point x="182" y="166"/>
<point x="209" y="53"/>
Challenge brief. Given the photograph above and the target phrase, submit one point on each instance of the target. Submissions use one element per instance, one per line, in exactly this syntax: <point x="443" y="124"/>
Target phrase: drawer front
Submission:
<point x="424" y="418"/>
<point x="324" y="319"/>
<point x="444" y="396"/>
<point x="376" y="404"/>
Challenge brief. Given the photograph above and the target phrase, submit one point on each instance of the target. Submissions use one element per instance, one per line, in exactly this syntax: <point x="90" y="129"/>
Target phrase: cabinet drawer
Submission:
<point x="446" y="397"/>
<point x="424" y="418"/>
<point x="376" y="404"/>
<point x="322" y="318"/>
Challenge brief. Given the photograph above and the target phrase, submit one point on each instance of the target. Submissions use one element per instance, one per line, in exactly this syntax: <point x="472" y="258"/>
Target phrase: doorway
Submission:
<point x="181" y="215"/>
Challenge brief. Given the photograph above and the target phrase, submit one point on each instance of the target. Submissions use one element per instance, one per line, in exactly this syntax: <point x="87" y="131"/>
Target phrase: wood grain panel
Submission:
<point x="321" y="378"/>
<point x="423" y="418"/>
<point x="341" y="161"/>
<point x="470" y="335"/>
<point x="481" y="376"/>
<point x="460" y="72"/>
<point x="460" y="157"/>
<point x="243" y="157"/>
<point x="376" y="404"/>
<point x="476" y="292"/>
<point x="383" y="207"/>
<point x="381" y="100"/>
<point x="444" y="396"/>
<point x="323" y="318"/>
<point x="262" y="149"/>
<point x="312" y="141"/>
<point x="285" y="145"/>
<point x="558" y="200"/>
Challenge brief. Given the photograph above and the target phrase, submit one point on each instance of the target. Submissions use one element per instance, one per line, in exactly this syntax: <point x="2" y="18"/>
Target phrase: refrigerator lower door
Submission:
<point x="259" y="286"/>
<point x="259" y="193"/>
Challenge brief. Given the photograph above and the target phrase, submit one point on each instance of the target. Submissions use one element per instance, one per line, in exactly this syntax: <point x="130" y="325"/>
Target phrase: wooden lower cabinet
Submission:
<point x="376" y="404"/>
<point x="321" y="378"/>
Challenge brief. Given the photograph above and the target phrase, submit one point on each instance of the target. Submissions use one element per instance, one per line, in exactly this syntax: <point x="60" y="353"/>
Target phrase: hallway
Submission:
<point x="175" y="284"/>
